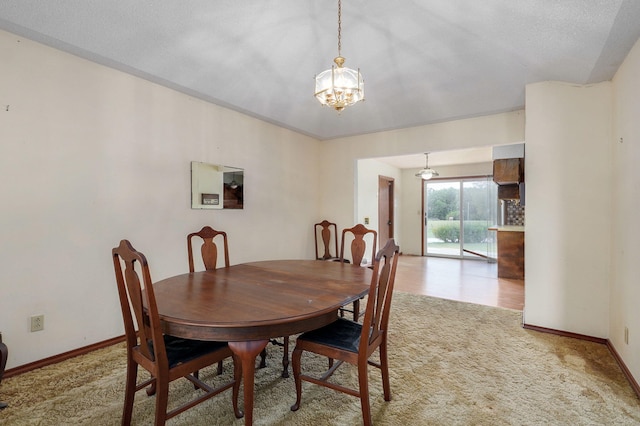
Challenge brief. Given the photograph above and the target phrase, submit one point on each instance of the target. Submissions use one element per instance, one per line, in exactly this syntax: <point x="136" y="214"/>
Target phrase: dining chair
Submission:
<point x="209" y="249"/>
<point x="357" y="236"/>
<point x="327" y="231"/>
<point x="349" y="341"/>
<point x="165" y="357"/>
<point x="209" y="252"/>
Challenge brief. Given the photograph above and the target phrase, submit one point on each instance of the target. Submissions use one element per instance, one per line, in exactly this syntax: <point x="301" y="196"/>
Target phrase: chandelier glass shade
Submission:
<point x="339" y="87"/>
<point x="427" y="173"/>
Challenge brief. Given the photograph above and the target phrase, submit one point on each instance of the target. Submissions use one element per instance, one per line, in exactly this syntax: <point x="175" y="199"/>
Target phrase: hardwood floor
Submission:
<point x="463" y="280"/>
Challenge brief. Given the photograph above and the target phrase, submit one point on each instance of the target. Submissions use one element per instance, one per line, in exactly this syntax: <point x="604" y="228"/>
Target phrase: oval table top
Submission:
<point x="258" y="300"/>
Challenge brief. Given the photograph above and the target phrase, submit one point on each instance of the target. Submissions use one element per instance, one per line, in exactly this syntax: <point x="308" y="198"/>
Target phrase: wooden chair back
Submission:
<point x="376" y="315"/>
<point x="138" y="297"/>
<point x="327" y="231"/>
<point x="358" y="245"/>
<point x="209" y="249"/>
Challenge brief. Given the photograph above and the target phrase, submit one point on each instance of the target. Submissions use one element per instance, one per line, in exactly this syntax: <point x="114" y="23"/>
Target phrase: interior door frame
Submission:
<point x="386" y="214"/>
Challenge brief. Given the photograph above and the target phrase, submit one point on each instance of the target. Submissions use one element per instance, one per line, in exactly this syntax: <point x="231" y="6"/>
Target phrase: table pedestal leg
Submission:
<point x="246" y="353"/>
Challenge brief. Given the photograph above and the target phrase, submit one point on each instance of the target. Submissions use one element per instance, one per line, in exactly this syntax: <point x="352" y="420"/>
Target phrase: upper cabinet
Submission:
<point x="508" y="171"/>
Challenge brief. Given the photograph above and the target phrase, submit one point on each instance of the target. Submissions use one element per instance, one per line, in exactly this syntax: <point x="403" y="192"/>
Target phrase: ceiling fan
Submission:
<point x="427" y="173"/>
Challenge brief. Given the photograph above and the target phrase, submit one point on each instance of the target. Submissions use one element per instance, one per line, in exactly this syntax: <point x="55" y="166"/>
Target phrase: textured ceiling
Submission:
<point x="423" y="61"/>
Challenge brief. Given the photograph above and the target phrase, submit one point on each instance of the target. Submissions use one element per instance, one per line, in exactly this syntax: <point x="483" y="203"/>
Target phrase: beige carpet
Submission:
<point x="451" y="363"/>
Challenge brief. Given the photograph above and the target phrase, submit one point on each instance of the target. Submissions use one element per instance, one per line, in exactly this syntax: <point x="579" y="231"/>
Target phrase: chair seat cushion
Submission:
<point x="341" y="334"/>
<point x="181" y="350"/>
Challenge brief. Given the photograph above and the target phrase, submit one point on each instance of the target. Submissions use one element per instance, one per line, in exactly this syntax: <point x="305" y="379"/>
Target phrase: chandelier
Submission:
<point x="427" y="173"/>
<point x="339" y="87"/>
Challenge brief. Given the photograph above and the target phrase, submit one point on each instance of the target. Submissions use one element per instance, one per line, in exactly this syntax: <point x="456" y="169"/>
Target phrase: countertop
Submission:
<point x="507" y="228"/>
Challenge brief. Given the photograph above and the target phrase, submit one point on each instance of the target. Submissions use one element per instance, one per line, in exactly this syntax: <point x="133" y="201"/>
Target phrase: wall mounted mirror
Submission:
<point x="216" y="187"/>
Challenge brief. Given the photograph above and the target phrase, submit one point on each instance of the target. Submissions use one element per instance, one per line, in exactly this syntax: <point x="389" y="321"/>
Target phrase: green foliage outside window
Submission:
<point x="449" y="232"/>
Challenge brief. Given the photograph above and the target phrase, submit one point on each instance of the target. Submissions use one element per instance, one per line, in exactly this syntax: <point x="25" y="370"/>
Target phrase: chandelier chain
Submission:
<point x="339" y="27"/>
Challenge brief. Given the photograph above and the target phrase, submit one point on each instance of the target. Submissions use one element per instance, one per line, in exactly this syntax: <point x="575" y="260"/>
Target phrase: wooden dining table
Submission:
<point x="249" y="303"/>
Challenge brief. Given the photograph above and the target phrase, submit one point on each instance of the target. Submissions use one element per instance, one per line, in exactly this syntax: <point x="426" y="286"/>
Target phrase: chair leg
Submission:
<point x="285" y="357"/>
<point x="356" y="310"/>
<point x="295" y="364"/>
<point x="384" y="369"/>
<point x="196" y="374"/>
<point x="129" y="393"/>
<point x="363" y="381"/>
<point x="151" y="390"/>
<point x="263" y="358"/>
<point x="219" y="368"/>
<point x="162" y="401"/>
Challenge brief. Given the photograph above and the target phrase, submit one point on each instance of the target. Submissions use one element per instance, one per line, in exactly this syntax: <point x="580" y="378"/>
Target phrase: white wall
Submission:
<point x="568" y="226"/>
<point x="625" y="291"/>
<point x="89" y="156"/>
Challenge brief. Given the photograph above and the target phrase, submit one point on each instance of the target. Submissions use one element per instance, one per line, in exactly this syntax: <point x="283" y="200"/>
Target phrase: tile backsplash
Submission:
<point x="514" y="213"/>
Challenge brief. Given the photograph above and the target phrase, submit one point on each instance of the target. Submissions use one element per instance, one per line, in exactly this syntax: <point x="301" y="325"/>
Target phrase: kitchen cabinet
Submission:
<point x="508" y="171"/>
<point x="509" y="192"/>
<point x="510" y="251"/>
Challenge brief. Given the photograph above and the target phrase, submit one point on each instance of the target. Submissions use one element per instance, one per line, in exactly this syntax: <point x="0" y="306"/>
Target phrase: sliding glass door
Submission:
<point x="458" y="213"/>
<point x="442" y="214"/>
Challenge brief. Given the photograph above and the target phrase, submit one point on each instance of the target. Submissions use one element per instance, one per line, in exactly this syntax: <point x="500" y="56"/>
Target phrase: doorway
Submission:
<point x="457" y="214"/>
<point x="385" y="209"/>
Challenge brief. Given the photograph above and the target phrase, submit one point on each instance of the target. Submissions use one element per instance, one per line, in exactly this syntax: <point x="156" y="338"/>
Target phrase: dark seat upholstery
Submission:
<point x="343" y="334"/>
<point x="181" y="350"/>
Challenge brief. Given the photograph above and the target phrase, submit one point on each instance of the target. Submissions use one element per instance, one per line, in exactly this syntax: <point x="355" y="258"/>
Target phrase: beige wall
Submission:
<point x="90" y="155"/>
<point x="625" y="253"/>
<point x="568" y="181"/>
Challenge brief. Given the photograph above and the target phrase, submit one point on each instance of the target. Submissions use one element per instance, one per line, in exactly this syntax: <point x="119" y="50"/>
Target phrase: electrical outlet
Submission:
<point x="626" y="335"/>
<point x="366" y="220"/>
<point x="37" y="323"/>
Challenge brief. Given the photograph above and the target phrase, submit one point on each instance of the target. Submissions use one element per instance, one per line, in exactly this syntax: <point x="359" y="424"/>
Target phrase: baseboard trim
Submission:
<point x="632" y="381"/>
<point x="565" y="334"/>
<point x="634" y="384"/>
<point x="61" y="357"/>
